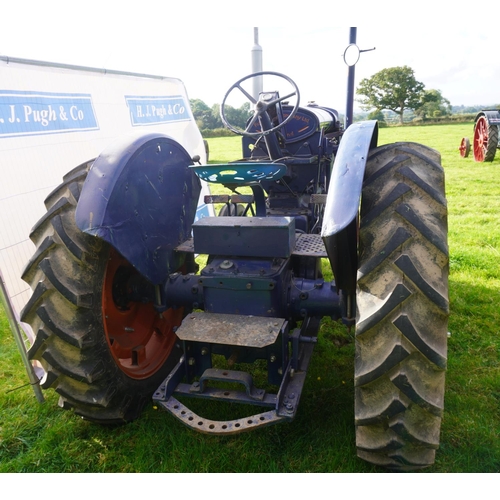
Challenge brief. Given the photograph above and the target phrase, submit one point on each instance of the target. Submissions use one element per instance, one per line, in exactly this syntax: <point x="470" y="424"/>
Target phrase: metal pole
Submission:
<point x="256" y="64"/>
<point x="349" y="109"/>
<point x="14" y="326"/>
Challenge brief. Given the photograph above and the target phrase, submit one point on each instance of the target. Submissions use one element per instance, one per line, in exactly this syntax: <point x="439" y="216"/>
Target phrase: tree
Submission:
<point x="433" y="105"/>
<point x="376" y="115"/>
<point x="202" y="113"/>
<point x="209" y="118"/>
<point x="238" y="116"/>
<point x="395" y="89"/>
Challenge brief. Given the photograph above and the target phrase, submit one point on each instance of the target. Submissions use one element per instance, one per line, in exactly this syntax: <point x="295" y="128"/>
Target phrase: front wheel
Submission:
<point x="402" y="308"/>
<point x="104" y="347"/>
<point x="464" y="148"/>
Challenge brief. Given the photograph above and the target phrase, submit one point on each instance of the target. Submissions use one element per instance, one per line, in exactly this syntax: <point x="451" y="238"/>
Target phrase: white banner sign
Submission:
<point x="54" y="118"/>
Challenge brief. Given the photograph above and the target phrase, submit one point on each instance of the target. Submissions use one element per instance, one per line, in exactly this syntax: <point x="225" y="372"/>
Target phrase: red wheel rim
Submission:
<point x="480" y="139"/>
<point x="464" y="148"/>
<point x="139" y="338"/>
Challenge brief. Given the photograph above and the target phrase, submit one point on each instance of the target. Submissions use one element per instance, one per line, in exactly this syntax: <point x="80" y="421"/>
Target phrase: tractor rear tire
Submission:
<point x="103" y="354"/>
<point x="402" y="308"/>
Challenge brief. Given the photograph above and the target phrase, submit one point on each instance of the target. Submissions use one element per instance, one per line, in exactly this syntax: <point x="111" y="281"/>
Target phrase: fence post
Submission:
<point x="16" y="331"/>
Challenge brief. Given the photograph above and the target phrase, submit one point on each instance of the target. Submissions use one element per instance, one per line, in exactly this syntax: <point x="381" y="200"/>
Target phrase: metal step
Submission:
<point x="309" y="245"/>
<point x="318" y="199"/>
<point x="230" y="329"/>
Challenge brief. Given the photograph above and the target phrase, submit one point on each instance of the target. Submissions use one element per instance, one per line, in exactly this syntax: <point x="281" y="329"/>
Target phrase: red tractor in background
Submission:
<point x="485" y="136"/>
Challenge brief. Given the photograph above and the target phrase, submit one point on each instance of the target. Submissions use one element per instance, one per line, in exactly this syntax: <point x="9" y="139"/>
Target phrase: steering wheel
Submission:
<point x="260" y="106"/>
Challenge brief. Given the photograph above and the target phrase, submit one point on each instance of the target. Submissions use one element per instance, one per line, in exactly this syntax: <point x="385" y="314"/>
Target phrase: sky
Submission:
<point x="209" y="50"/>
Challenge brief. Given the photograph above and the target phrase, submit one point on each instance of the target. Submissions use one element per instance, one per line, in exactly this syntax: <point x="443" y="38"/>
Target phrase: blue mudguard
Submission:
<point x="140" y="196"/>
<point x="492" y="116"/>
<point x="339" y="231"/>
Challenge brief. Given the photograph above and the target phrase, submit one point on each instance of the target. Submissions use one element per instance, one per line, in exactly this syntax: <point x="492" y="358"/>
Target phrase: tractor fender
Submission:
<point x="491" y="115"/>
<point x="339" y="230"/>
<point x="140" y="196"/>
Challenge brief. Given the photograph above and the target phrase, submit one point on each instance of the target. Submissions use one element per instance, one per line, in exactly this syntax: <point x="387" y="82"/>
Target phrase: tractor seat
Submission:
<point x="240" y="173"/>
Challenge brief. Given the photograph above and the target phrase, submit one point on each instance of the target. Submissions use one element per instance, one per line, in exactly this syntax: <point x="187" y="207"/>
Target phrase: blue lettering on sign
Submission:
<point x="201" y="212"/>
<point x="155" y="110"/>
<point x="33" y="113"/>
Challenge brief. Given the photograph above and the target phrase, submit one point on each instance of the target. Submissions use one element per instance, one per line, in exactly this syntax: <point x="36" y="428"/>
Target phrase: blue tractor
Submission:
<point x="123" y="314"/>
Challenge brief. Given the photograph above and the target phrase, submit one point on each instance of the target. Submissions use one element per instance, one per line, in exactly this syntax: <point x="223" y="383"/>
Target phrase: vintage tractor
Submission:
<point x="123" y="315"/>
<point x="486" y="136"/>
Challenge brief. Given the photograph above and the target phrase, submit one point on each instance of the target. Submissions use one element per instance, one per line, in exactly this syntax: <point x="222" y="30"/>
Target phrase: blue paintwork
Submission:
<point x="344" y="196"/>
<point x="306" y="145"/>
<point x="140" y="196"/>
<point x="492" y="115"/>
<point x="245" y="236"/>
<point x="344" y="191"/>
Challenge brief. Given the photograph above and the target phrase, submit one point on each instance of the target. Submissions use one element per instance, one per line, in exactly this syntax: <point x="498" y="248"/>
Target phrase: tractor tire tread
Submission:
<point x="403" y="307"/>
<point x="65" y="274"/>
<point x="492" y="145"/>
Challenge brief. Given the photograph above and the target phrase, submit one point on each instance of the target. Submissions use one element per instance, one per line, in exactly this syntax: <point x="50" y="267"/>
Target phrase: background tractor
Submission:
<point x="123" y="313"/>
<point x="485" y="142"/>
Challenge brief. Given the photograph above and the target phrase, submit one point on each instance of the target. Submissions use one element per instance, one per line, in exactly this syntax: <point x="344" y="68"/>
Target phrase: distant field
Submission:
<point x="43" y="438"/>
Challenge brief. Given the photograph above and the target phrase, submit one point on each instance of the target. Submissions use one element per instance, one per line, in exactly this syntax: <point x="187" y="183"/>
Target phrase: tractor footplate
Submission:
<point x="207" y="426"/>
<point x="230" y="329"/>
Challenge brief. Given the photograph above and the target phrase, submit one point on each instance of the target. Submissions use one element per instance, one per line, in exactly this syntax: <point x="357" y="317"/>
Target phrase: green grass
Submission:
<point x="43" y="438"/>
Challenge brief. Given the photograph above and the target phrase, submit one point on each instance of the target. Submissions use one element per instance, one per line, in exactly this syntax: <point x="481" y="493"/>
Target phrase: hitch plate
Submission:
<point x="204" y="425"/>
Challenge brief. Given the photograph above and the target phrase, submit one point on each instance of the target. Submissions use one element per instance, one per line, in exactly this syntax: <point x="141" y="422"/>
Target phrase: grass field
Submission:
<point x="43" y="438"/>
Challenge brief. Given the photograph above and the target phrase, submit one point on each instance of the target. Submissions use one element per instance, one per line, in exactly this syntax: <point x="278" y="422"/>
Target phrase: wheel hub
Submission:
<point x="140" y="339"/>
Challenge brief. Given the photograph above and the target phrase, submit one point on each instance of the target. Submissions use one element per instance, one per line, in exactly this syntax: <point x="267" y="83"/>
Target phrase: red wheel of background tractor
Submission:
<point x="485" y="140"/>
<point x="464" y="147"/>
